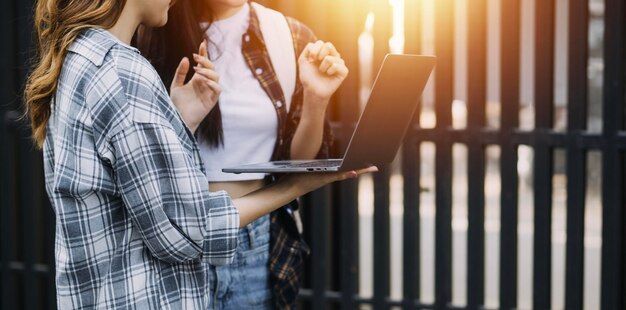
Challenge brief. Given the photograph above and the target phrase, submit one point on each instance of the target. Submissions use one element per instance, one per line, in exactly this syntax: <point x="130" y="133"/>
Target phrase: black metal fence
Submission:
<point x="332" y="223"/>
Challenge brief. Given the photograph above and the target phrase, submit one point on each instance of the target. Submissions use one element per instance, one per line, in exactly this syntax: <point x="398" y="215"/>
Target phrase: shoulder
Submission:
<point x="301" y="33"/>
<point x="118" y="81"/>
<point x="104" y="57"/>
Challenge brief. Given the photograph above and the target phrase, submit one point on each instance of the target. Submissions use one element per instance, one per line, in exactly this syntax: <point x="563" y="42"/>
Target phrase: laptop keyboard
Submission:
<point x="313" y="164"/>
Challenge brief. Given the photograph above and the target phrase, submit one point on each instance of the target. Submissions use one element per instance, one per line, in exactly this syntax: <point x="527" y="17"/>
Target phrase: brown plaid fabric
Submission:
<point x="287" y="249"/>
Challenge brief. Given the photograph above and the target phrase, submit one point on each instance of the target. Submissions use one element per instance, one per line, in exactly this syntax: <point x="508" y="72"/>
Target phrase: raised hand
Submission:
<point x="197" y="98"/>
<point x="322" y="70"/>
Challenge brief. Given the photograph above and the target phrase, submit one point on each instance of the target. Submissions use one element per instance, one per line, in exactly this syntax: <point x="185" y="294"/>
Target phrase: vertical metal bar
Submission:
<point x="509" y="89"/>
<point x="319" y="244"/>
<point x="411" y="226"/>
<point x="612" y="164"/>
<point x="50" y="285"/>
<point x="381" y="238"/>
<point x="444" y="87"/>
<point x="6" y="88"/>
<point x="38" y="220"/>
<point x="576" y="159"/>
<point x="24" y="45"/>
<point x="26" y="216"/>
<point x="476" y="101"/>
<point x="410" y="173"/>
<point x="382" y="286"/>
<point x="349" y="242"/>
<point x="25" y="41"/>
<point x="413" y="26"/>
<point x="382" y="30"/>
<point x="9" y="216"/>
<point x="348" y="27"/>
<point x="543" y="161"/>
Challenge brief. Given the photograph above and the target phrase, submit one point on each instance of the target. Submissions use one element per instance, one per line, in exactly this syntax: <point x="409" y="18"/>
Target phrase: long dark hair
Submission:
<point x="180" y="37"/>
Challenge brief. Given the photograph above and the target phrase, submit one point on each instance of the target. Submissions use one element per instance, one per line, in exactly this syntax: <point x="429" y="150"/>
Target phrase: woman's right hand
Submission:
<point x="308" y="182"/>
<point x="286" y="189"/>
<point x="199" y="96"/>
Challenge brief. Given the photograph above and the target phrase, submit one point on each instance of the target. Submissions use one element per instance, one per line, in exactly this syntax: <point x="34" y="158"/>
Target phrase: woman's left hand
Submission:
<point x="195" y="99"/>
<point x="322" y="70"/>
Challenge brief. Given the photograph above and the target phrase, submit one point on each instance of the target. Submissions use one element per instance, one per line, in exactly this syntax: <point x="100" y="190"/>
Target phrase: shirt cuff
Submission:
<point x="220" y="243"/>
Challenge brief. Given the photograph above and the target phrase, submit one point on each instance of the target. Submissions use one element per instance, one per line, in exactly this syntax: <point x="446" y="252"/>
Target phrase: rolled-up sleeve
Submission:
<point x="168" y="200"/>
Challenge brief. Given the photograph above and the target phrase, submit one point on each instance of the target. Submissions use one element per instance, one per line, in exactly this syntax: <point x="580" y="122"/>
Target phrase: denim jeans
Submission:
<point x="244" y="284"/>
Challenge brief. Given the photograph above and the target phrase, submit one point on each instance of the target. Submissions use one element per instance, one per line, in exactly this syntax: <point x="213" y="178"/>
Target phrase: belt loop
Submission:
<point x="251" y="236"/>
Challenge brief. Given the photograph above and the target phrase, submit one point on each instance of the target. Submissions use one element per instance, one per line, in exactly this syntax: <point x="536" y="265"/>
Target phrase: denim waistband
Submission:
<point x="254" y="235"/>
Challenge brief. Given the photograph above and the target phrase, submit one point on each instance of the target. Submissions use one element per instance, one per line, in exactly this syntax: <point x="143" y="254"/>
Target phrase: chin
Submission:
<point x="233" y="3"/>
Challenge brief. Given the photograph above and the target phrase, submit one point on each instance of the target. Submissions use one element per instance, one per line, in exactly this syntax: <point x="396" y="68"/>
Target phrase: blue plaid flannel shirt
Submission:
<point x="136" y="226"/>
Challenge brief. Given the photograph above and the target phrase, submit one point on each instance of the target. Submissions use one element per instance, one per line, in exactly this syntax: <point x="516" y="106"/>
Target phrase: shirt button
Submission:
<point x="279" y="104"/>
<point x="246" y="38"/>
<point x="259" y="71"/>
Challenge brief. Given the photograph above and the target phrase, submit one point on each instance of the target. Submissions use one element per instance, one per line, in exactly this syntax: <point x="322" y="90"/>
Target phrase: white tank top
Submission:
<point x="249" y="118"/>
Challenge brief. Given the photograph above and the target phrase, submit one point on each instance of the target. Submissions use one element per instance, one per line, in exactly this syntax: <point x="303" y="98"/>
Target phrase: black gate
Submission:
<point x="333" y="271"/>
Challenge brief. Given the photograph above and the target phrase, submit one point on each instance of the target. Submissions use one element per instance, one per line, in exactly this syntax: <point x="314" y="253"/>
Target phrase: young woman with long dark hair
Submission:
<point x="257" y="119"/>
<point x="136" y="226"/>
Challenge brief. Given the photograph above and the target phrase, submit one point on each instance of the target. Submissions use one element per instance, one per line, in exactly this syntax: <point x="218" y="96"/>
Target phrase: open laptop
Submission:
<point x="382" y="126"/>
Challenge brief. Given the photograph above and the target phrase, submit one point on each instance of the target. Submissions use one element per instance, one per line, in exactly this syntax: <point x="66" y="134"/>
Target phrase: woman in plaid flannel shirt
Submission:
<point x="267" y="268"/>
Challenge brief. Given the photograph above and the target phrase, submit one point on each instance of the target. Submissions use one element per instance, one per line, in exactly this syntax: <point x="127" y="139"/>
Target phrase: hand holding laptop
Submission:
<point x="307" y="182"/>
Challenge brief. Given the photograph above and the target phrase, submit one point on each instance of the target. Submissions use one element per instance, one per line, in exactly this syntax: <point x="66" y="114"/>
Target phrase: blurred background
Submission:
<point x="508" y="192"/>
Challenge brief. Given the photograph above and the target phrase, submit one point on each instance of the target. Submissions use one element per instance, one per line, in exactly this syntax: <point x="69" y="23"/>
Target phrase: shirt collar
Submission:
<point x="95" y="43"/>
<point x="254" y="29"/>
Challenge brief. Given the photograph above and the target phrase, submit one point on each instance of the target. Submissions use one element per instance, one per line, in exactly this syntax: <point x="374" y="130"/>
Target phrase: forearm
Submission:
<point x="265" y="200"/>
<point x="309" y="135"/>
<point x="272" y="197"/>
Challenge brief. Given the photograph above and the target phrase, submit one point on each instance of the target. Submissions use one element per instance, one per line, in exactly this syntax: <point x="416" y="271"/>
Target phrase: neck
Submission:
<point x="126" y="25"/>
<point x="223" y="11"/>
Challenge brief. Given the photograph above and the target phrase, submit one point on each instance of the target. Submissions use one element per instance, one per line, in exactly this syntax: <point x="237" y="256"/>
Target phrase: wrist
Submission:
<point x="292" y="185"/>
<point x="314" y="105"/>
<point x="315" y="96"/>
<point x="191" y="125"/>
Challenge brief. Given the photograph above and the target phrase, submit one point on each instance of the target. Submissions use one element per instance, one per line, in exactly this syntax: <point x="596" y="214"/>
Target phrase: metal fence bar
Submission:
<point x="24" y="17"/>
<point x="346" y="39"/>
<point x="509" y="89"/>
<point x="349" y="243"/>
<point x="382" y="282"/>
<point x="319" y="244"/>
<point x="411" y="224"/>
<point x="6" y="89"/>
<point x="576" y="158"/>
<point x="26" y="234"/>
<point x="476" y="101"/>
<point x="381" y="238"/>
<point x="612" y="286"/>
<point x="444" y="88"/>
<point x="50" y="284"/>
<point x="543" y="160"/>
<point x="551" y="138"/>
<point x="10" y="217"/>
<point x="410" y="173"/>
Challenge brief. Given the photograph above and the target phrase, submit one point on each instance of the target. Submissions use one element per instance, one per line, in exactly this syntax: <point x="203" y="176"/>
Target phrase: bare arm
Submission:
<point x="272" y="197"/>
<point x="308" y="137"/>
<point x="322" y="70"/>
